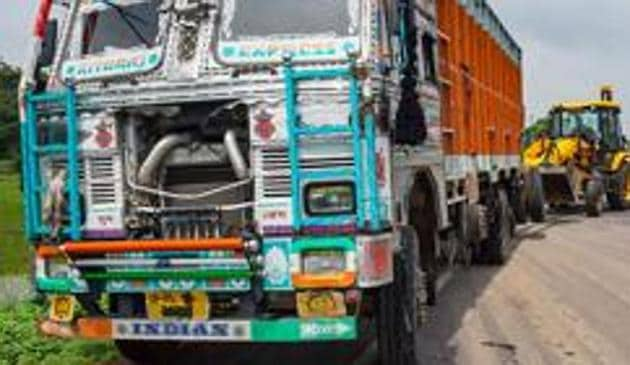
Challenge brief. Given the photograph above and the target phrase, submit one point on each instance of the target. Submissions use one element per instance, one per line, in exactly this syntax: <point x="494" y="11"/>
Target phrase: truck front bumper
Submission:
<point x="283" y="330"/>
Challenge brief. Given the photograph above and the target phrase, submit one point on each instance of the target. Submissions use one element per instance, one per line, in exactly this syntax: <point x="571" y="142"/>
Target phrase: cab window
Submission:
<point x="110" y="26"/>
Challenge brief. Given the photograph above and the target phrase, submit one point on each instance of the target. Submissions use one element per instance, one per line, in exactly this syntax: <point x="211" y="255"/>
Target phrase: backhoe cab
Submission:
<point x="580" y="154"/>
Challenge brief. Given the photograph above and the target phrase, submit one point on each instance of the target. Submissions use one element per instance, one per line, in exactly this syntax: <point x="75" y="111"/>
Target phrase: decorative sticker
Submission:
<point x="321" y="330"/>
<point x="277" y="270"/>
<point x="141" y="286"/>
<point x="268" y="331"/>
<point x="307" y="330"/>
<point x="299" y="49"/>
<point x="107" y="66"/>
<point x="182" y="330"/>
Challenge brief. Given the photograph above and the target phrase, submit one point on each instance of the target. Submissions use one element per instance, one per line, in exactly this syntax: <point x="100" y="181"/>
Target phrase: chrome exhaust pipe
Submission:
<point x="235" y="155"/>
<point x="157" y="155"/>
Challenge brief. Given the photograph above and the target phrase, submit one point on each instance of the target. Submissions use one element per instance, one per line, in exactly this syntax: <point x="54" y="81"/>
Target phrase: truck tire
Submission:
<point x="536" y="198"/>
<point x="423" y="218"/>
<point x="593" y="198"/>
<point x="138" y="352"/>
<point x="464" y="235"/>
<point x="401" y="307"/>
<point x="500" y="229"/>
<point x="134" y="351"/>
<point x="159" y="352"/>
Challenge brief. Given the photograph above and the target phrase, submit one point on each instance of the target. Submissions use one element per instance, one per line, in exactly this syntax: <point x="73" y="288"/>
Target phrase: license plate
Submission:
<point x="321" y="304"/>
<point x="61" y="308"/>
<point x="194" y="305"/>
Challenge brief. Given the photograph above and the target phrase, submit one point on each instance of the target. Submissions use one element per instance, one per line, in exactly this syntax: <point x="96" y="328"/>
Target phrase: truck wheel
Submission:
<point x="134" y="351"/>
<point x="423" y="218"/>
<point x="159" y="352"/>
<point x="500" y="229"/>
<point x="464" y="236"/>
<point x="593" y="199"/>
<point x="126" y="306"/>
<point x="536" y="198"/>
<point x="401" y="307"/>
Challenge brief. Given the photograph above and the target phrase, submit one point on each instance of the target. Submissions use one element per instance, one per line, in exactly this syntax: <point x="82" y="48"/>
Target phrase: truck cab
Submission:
<point x="264" y="171"/>
<point x="219" y="170"/>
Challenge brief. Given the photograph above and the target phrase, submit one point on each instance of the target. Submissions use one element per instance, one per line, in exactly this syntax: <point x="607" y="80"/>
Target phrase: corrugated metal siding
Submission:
<point x="480" y="65"/>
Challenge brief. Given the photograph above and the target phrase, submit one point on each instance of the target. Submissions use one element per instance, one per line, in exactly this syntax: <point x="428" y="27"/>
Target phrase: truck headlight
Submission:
<point x="330" y="198"/>
<point x="323" y="262"/>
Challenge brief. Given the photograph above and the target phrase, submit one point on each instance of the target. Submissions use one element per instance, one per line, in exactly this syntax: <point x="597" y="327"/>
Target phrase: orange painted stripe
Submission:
<point x="49" y="251"/>
<point x="102" y="247"/>
<point x="95" y="328"/>
<point x="333" y="281"/>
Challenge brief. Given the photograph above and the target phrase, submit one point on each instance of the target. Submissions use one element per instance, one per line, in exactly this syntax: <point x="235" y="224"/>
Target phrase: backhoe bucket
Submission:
<point x="559" y="185"/>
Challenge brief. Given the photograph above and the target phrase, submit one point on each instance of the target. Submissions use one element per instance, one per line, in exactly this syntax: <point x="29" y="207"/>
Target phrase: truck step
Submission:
<point x="326" y="130"/>
<point x="51" y="149"/>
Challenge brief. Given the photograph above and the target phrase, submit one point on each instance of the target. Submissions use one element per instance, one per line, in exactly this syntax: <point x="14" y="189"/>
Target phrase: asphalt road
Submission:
<point x="563" y="298"/>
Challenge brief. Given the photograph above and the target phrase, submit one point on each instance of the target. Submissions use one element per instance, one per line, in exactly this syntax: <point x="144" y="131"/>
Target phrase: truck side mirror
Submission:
<point x="49" y="45"/>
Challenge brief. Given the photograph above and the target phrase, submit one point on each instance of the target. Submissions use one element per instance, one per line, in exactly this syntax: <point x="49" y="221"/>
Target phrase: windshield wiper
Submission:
<point x="127" y="18"/>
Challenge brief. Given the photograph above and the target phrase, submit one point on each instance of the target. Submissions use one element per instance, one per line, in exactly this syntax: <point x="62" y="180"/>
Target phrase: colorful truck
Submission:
<point x="265" y="171"/>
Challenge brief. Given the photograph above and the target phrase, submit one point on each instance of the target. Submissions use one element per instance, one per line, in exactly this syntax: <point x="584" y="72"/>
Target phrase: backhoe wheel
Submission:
<point x="536" y="198"/>
<point x="500" y="229"/>
<point x="617" y="199"/>
<point x="518" y="200"/>
<point x="593" y="198"/>
<point x="401" y="308"/>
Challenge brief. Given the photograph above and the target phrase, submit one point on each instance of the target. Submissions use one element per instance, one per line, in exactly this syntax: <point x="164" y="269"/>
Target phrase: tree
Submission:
<point x="9" y="118"/>
<point x="534" y="131"/>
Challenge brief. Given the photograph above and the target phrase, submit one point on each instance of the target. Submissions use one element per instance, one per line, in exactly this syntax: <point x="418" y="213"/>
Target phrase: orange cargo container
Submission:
<point x="482" y="97"/>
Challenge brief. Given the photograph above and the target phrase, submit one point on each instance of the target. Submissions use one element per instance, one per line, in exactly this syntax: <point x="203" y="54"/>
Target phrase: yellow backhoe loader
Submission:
<point x="579" y="155"/>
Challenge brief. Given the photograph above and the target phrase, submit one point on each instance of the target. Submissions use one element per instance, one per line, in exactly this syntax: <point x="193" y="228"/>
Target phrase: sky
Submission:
<point x="570" y="47"/>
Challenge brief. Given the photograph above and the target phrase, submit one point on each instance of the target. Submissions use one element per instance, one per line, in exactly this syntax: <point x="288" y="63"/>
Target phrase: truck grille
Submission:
<point x="103" y="180"/>
<point x="275" y="178"/>
<point x="325" y="162"/>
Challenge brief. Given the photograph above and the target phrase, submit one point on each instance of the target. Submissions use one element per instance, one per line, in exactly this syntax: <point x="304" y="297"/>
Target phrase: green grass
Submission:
<point x="22" y="344"/>
<point x="14" y="252"/>
<point x="20" y="341"/>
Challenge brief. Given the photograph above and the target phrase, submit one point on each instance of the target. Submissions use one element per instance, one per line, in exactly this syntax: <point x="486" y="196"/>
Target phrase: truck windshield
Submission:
<point x="250" y="19"/>
<point x="113" y="26"/>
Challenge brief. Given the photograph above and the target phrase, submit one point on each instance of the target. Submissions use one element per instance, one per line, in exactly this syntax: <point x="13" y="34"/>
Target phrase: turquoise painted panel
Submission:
<point x="295" y="330"/>
<point x="277" y="265"/>
<point x="324" y="243"/>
